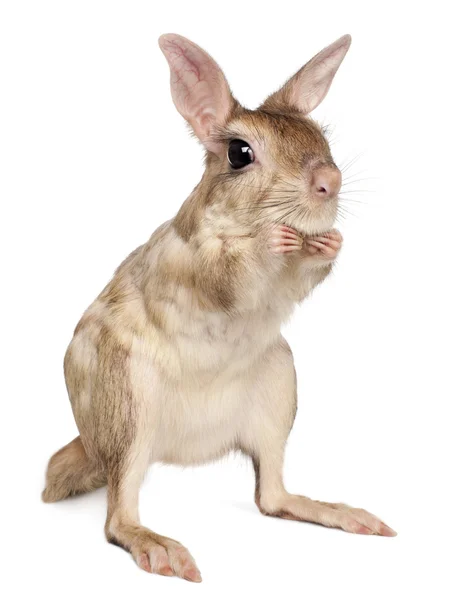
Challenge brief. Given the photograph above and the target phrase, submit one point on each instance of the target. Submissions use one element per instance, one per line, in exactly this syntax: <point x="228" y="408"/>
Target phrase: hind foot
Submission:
<point x="155" y="553"/>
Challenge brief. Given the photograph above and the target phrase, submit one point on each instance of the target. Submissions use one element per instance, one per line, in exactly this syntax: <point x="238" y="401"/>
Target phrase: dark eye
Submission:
<point x="240" y="154"/>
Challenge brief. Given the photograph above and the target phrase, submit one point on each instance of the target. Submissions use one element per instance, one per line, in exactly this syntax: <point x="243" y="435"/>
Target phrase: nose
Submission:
<point x="326" y="182"/>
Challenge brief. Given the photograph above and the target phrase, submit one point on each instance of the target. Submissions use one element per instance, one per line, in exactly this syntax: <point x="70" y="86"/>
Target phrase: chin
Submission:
<point x="315" y="224"/>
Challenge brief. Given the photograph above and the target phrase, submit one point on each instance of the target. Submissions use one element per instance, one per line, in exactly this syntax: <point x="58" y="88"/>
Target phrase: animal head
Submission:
<point x="269" y="165"/>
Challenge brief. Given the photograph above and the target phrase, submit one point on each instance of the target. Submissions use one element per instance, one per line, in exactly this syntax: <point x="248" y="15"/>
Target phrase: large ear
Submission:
<point x="307" y="88"/>
<point x="199" y="89"/>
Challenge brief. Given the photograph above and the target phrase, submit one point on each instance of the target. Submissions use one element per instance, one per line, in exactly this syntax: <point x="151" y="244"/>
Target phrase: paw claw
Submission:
<point x="387" y="531"/>
<point x="193" y="575"/>
<point x="363" y="522"/>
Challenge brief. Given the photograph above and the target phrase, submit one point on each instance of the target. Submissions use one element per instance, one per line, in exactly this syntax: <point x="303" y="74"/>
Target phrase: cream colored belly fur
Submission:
<point x="200" y="390"/>
<point x="181" y="359"/>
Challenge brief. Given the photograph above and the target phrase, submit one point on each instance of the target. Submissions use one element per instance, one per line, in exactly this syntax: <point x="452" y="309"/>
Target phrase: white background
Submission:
<point x="94" y="157"/>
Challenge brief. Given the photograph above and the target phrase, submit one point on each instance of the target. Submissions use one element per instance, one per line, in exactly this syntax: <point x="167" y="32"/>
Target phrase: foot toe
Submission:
<point x="144" y="562"/>
<point x="370" y="522"/>
<point x="193" y="574"/>
<point x="183" y="564"/>
<point x="159" y="561"/>
<point x="387" y="531"/>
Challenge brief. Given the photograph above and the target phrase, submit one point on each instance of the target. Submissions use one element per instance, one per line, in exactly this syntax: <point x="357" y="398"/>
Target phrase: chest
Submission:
<point x="215" y="342"/>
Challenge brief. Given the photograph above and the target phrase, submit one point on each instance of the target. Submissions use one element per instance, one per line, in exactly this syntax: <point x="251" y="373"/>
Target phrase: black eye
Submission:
<point x="240" y="154"/>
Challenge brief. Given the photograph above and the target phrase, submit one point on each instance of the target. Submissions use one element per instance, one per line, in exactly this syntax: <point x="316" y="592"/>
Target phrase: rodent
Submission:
<point x="180" y="359"/>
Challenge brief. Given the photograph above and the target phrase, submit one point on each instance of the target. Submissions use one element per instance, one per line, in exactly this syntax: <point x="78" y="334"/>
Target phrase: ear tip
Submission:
<point x="346" y="40"/>
<point x="164" y="38"/>
<point x="167" y="39"/>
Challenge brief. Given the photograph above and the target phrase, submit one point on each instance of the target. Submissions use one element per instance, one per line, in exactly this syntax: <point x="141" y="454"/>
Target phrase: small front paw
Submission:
<point x="283" y="240"/>
<point x="326" y="245"/>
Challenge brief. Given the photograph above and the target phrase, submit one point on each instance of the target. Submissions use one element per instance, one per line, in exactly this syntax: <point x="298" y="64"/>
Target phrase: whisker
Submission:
<point x="258" y="207"/>
<point x="346" y="210"/>
<point x="351" y="162"/>
<point x="352" y="201"/>
<point x="360" y="191"/>
<point x="349" y="178"/>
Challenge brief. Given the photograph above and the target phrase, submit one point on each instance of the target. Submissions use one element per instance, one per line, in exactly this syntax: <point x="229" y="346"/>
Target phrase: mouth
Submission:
<point x="311" y="232"/>
<point x="307" y="218"/>
<point x="317" y="221"/>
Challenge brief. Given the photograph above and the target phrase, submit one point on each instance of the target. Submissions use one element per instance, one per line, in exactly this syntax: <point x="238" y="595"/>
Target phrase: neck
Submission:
<point x="207" y="203"/>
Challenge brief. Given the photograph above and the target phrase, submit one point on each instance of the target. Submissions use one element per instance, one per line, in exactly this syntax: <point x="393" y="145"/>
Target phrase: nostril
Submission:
<point x="326" y="182"/>
<point x="321" y="187"/>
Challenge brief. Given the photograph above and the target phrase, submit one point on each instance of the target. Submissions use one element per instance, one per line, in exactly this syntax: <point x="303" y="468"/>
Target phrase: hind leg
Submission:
<point x="114" y="393"/>
<point x="71" y="472"/>
<point x="264" y="439"/>
<point x="152" y="552"/>
<point x="273" y="500"/>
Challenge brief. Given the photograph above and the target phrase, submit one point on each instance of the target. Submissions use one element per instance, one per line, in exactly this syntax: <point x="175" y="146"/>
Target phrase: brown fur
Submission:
<point x="71" y="472"/>
<point x="180" y="359"/>
<point x="114" y="418"/>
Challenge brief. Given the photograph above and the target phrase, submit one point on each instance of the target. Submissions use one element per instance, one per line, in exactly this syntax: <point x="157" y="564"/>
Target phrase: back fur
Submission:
<point x="180" y="359"/>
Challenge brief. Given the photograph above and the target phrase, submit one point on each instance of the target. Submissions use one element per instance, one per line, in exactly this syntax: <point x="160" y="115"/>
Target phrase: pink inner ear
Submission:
<point x="308" y="87"/>
<point x="198" y="87"/>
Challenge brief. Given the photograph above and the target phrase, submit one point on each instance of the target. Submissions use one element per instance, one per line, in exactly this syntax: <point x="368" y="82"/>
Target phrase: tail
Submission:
<point x="71" y="472"/>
